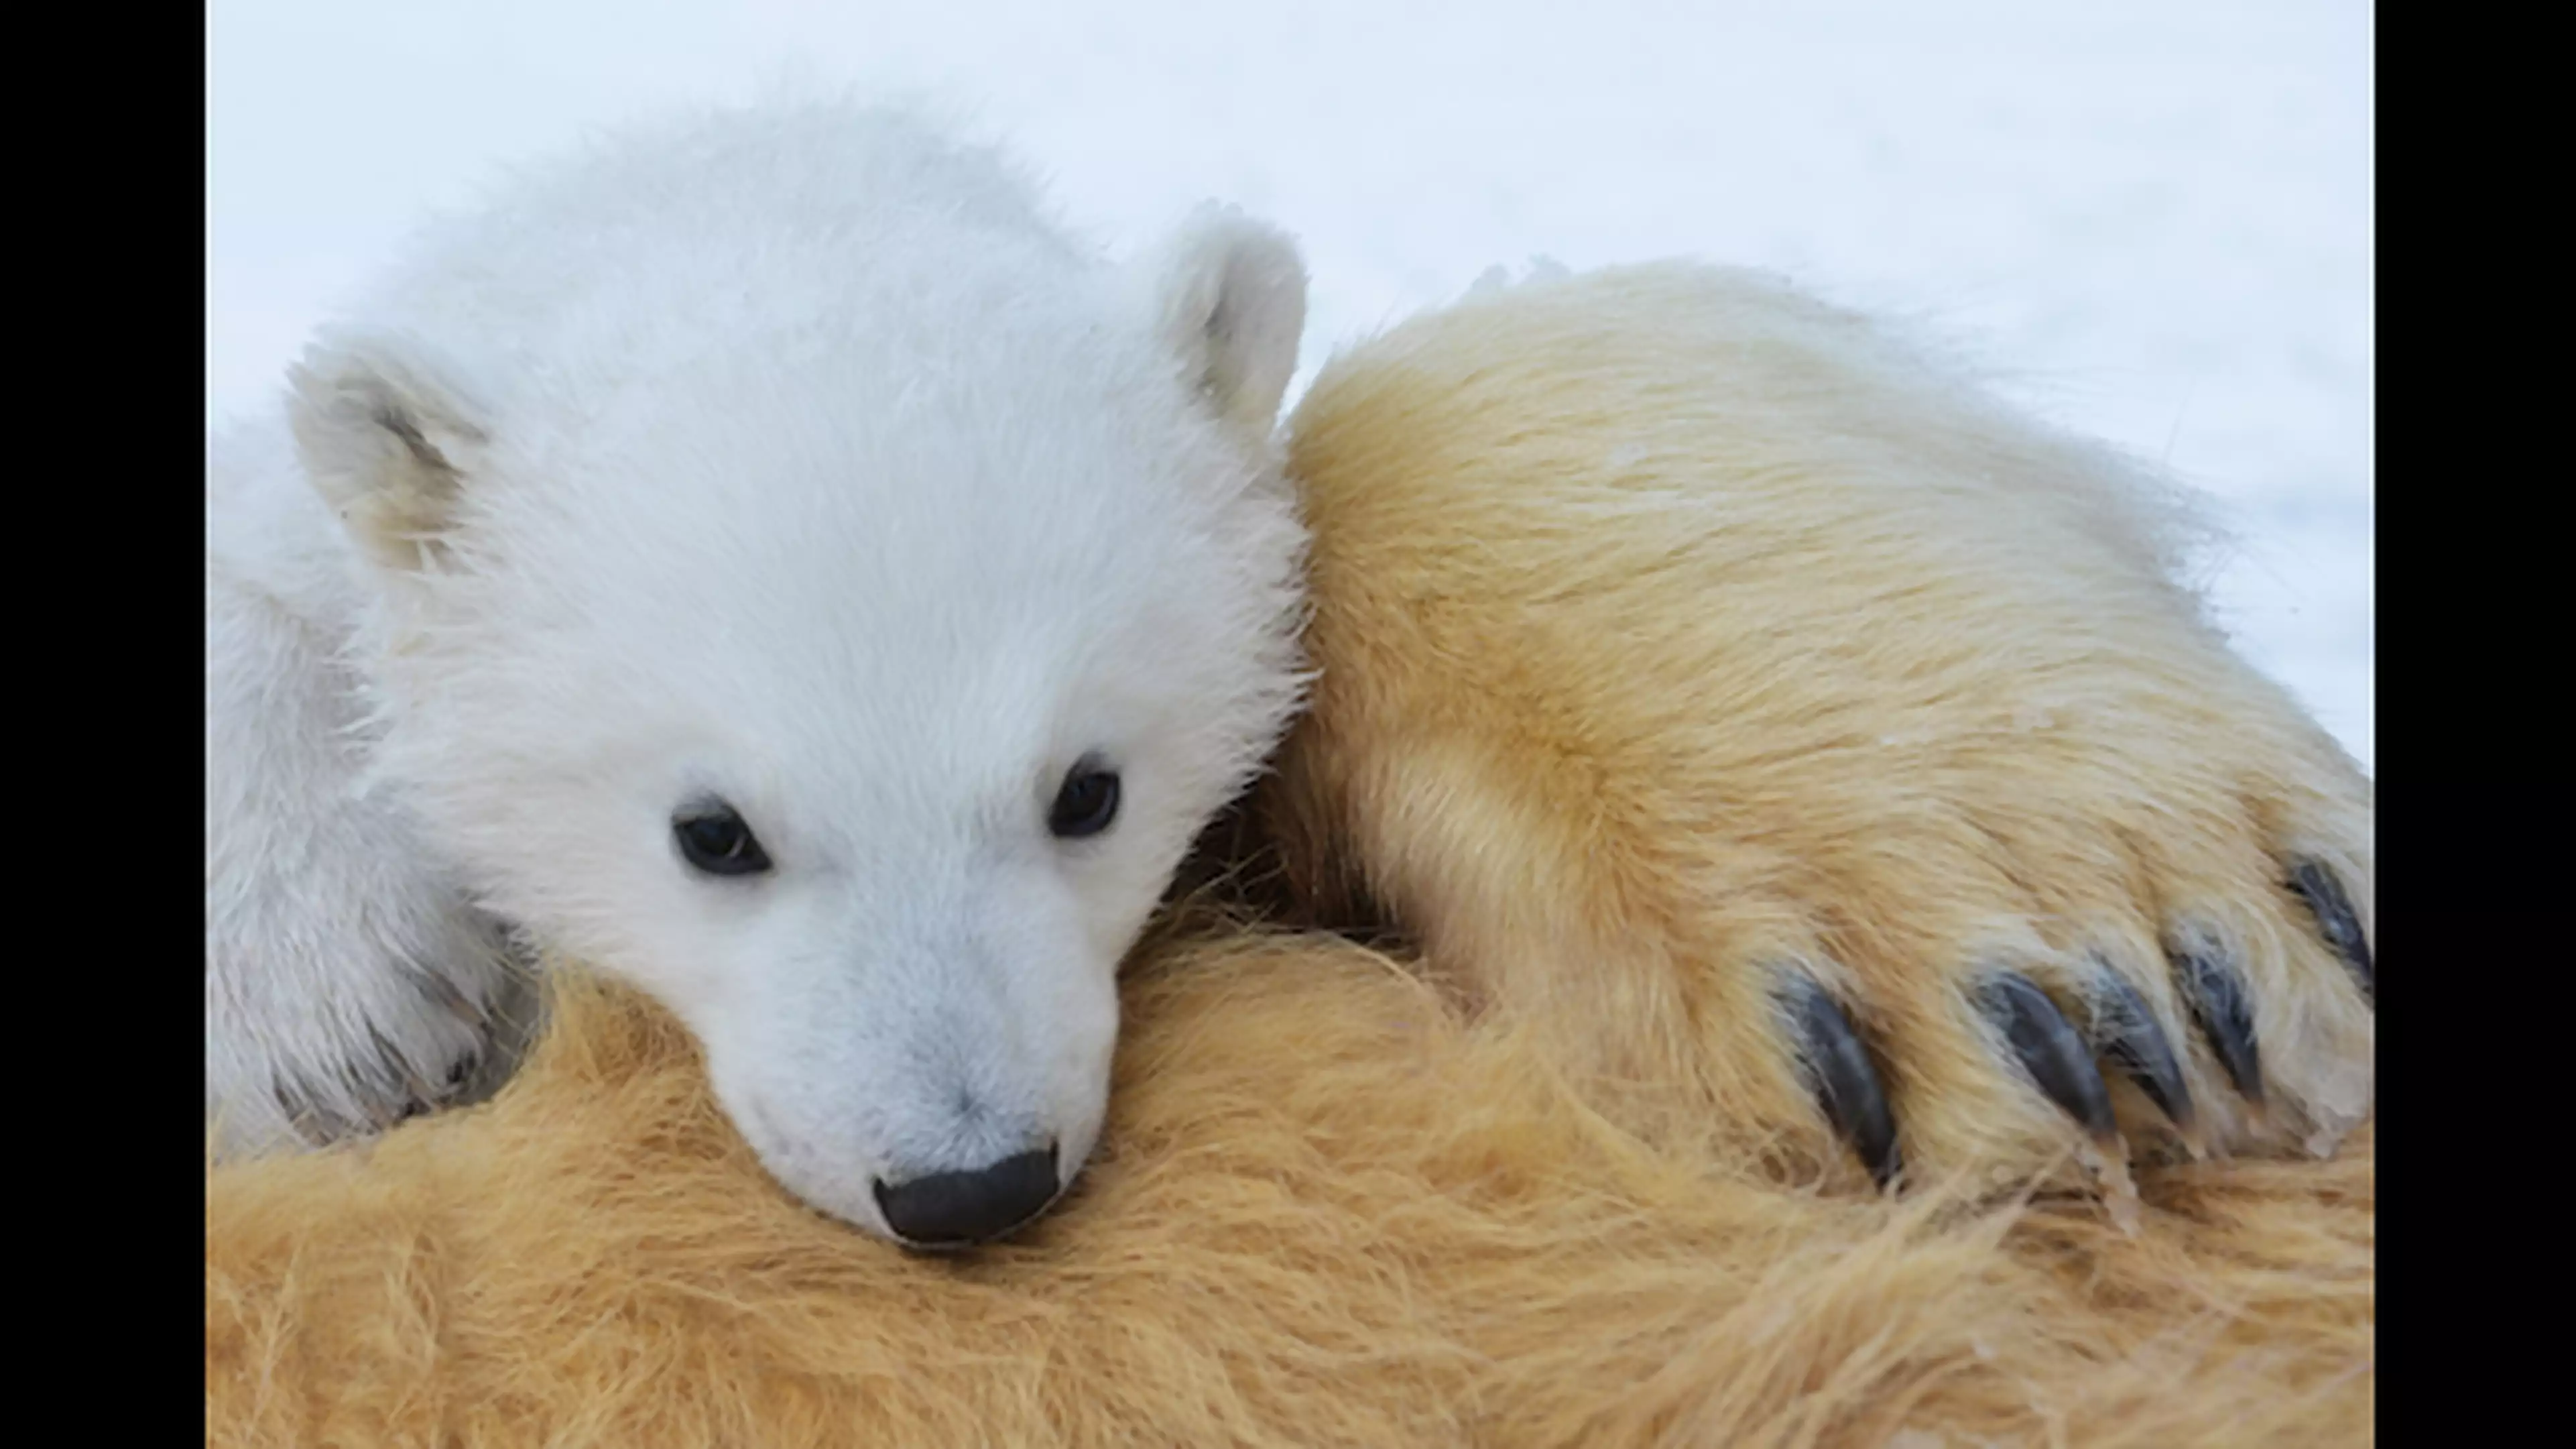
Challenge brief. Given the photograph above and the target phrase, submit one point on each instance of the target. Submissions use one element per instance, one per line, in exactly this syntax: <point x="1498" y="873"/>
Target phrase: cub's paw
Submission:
<point x="2216" y="1005"/>
<point x="356" y="1058"/>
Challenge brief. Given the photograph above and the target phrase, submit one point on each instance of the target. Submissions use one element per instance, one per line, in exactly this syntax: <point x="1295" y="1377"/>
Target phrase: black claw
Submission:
<point x="2123" y="1029"/>
<point x="2217" y="1001"/>
<point x="1840" y="1074"/>
<point x="2049" y="1049"/>
<point x="2317" y="886"/>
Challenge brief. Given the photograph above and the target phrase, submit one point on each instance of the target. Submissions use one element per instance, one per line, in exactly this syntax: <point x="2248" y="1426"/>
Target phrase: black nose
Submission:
<point x="952" y="1209"/>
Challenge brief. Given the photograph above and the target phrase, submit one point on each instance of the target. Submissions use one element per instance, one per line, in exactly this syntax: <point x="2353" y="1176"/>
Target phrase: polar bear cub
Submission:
<point x="762" y="557"/>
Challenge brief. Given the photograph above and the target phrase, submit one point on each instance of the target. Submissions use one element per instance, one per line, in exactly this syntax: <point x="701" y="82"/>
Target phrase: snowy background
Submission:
<point x="2155" y="214"/>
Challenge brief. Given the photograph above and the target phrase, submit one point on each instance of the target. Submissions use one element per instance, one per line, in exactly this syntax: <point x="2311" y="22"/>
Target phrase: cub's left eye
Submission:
<point x="714" y="839"/>
<point x="1086" y="803"/>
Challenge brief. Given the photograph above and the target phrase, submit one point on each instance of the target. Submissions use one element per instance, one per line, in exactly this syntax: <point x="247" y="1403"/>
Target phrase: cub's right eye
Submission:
<point x="713" y="839"/>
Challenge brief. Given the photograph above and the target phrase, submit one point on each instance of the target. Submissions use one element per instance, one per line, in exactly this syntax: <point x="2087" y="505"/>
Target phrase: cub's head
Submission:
<point x="847" y="658"/>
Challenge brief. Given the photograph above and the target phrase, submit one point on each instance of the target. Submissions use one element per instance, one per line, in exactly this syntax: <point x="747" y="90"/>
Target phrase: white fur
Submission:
<point x="790" y="456"/>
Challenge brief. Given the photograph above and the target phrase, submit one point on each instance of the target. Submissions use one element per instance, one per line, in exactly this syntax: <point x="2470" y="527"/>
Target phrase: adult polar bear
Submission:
<point x="781" y="572"/>
<point x="1941" y="817"/>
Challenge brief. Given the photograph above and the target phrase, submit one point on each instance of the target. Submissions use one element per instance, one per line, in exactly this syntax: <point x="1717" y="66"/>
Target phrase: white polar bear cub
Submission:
<point x="765" y="559"/>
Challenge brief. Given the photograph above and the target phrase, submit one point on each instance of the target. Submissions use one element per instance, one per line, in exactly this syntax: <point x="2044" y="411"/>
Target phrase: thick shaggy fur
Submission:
<point x="1326" y="1213"/>
<point x="1613" y="629"/>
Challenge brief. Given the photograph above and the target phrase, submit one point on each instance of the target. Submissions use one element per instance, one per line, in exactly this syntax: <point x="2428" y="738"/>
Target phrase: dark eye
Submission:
<point x="1086" y="804"/>
<point x="714" y="839"/>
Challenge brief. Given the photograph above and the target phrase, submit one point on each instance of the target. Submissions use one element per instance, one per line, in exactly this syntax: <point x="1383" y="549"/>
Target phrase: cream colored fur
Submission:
<point x="1678" y="632"/>
<point x="1673" y="633"/>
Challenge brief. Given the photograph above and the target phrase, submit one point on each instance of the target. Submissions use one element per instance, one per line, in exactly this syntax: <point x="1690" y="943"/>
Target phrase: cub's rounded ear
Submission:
<point x="388" y="438"/>
<point x="1230" y="301"/>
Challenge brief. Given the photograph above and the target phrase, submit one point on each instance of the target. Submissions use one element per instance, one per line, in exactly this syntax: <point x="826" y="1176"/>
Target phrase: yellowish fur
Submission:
<point x="1677" y="632"/>
<point x="1670" y="630"/>
<point x="1329" y="1214"/>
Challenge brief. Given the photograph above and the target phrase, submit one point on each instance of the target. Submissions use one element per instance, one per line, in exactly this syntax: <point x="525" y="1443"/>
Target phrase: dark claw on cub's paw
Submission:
<point x="2217" y="1001"/>
<point x="1840" y="1074"/>
<point x="2324" y="897"/>
<point x="2049" y="1049"/>
<point x="2124" y="1030"/>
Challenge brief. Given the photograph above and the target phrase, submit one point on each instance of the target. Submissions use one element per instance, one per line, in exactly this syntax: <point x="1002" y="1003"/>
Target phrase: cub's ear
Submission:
<point x="1230" y="300"/>
<point x="387" y="438"/>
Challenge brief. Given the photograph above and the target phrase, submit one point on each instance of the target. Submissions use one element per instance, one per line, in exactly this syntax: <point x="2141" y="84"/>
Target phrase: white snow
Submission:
<point x="2155" y="214"/>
